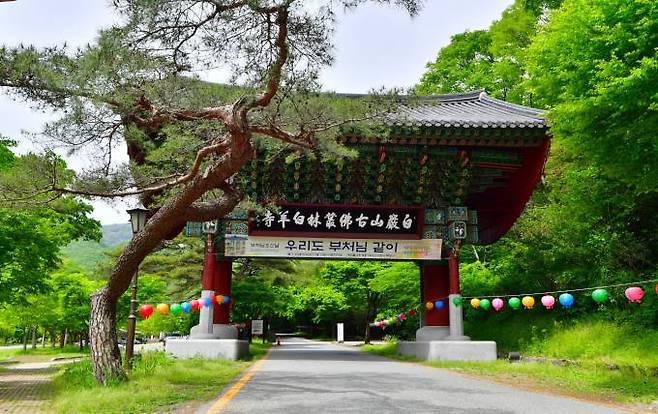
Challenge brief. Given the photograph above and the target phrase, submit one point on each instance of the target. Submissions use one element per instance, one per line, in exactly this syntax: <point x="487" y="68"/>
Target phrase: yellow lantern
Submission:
<point x="163" y="309"/>
<point x="475" y="303"/>
<point x="528" y="302"/>
<point x="429" y="305"/>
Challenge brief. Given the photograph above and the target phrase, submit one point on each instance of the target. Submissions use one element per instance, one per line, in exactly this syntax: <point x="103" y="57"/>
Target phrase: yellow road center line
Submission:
<point x="235" y="389"/>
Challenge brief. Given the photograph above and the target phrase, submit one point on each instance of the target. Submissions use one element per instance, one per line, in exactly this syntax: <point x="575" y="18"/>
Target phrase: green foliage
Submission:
<point x="490" y="59"/>
<point x="6" y="156"/>
<point x="592" y="221"/>
<point x="594" y="64"/>
<point x="30" y="239"/>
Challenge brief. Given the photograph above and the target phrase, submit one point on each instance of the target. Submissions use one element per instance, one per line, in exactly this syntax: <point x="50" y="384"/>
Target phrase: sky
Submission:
<point x="375" y="46"/>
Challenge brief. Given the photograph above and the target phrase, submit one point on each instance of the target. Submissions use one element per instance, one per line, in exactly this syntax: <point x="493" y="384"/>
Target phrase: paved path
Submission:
<point x="25" y="390"/>
<point x="312" y="377"/>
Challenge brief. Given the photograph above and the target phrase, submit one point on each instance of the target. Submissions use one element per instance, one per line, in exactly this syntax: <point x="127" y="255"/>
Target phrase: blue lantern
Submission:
<point x="566" y="300"/>
<point x="226" y="299"/>
<point x="439" y="304"/>
<point x="186" y="307"/>
<point x="206" y="302"/>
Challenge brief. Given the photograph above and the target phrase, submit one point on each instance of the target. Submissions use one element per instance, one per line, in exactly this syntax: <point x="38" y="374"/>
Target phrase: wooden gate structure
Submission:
<point x="452" y="169"/>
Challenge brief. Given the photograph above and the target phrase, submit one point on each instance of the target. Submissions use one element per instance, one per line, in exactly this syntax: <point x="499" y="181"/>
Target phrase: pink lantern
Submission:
<point x="497" y="304"/>
<point x="634" y="294"/>
<point x="548" y="301"/>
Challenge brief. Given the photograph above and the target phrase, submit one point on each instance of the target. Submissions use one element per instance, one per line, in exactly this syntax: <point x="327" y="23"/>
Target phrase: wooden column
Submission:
<point x="209" y="265"/>
<point x="435" y="285"/>
<point x="222" y="286"/>
<point x="453" y="269"/>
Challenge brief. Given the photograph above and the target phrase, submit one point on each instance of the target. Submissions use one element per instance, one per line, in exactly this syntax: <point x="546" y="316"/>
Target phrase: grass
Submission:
<point x="591" y="339"/>
<point x="608" y="362"/>
<point x="585" y="379"/>
<point x="155" y="383"/>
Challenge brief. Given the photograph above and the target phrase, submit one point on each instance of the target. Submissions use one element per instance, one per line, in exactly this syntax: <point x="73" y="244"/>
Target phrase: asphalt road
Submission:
<point x="312" y="377"/>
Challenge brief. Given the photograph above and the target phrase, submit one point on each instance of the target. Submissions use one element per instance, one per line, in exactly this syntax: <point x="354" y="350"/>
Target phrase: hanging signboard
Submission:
<point x="365" y="222"/>
<point x="236" y="245"/>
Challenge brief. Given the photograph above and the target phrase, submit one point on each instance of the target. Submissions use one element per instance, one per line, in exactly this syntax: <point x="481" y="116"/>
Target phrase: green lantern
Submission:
<point x="176" y="309"/>
<point x="514" y="303"/>
<point x="457" y="301"/>
<point x="485" y="304"/>
<point x="600" y="295"/>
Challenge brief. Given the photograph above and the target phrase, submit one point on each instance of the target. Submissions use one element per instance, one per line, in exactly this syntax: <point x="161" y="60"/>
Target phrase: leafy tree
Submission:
<point x="464" y="65"/>
<point x="594" y="64"/>
<point x="30" y="238"/>
<point x="353" y="280"/>
<point x="185" y="140"/>
<point x="492" y="59"/>
<point x="398" y="286"/>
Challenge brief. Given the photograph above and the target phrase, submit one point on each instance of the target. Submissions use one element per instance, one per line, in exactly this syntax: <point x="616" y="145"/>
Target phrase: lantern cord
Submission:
<point x="618" y="285"/>
<point x="170" y="301"/>
<point x="644" y="282"/>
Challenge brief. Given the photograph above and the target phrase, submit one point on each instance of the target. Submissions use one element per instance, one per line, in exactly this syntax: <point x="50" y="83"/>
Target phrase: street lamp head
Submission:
<point x="210" y="227"/>
<point x="138" y="217"/>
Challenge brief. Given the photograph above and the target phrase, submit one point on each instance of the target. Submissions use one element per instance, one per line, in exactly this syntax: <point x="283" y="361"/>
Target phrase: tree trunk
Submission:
<point x="172" y="215"/>
<point x="61" y="339"/>
<point x="104" y="348"/>
<point x="34" y="337"/>
<point x="25" y="338"/>
<point x="43" y="339"/>
<point x="66" y="337"/>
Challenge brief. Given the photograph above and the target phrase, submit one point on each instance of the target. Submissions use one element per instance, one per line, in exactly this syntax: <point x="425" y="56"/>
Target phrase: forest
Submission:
<point x="592" y="65"/>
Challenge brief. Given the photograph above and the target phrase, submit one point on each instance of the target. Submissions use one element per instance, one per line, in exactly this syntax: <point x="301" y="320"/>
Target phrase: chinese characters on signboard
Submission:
<point x="398" y="223"/>
<point x="298" y="247"/>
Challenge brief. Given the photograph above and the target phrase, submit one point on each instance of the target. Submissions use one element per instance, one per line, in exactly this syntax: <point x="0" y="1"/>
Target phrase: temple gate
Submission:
<point x="451" y="170"/>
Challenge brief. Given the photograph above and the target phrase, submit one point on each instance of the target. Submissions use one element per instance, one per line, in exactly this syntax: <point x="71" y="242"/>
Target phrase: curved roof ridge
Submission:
<point x="522" y="109"/>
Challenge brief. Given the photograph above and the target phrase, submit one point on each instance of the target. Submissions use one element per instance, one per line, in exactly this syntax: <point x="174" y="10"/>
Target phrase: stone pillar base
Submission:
<point x="450" y="350"/>
<point x="232" y="349"/>
<point x="432" y="333"/>
<point x="200" y="332"/>
<point x="223" y="331"/>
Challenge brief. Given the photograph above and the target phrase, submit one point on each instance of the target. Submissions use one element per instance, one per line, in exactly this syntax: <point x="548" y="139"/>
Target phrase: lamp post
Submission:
<point x="138" y="218"/>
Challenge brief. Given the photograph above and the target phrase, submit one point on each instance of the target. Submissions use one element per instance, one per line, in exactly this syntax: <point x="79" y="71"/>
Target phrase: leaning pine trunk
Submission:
<point x="105" y="354"/>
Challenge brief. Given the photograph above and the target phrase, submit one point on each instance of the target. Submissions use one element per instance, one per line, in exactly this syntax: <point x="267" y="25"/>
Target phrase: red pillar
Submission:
<point x="209" y="265"/>
<point x="435" y="286"/>
<point x="453" y="270"/>
<point x="222" y="286"/>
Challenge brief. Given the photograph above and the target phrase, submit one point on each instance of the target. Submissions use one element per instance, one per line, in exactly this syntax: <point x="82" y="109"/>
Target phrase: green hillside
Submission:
<point x="87" y="254"/>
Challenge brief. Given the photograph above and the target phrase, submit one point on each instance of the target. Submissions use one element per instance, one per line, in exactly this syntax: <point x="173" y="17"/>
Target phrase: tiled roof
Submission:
<point x="465" y="110"/>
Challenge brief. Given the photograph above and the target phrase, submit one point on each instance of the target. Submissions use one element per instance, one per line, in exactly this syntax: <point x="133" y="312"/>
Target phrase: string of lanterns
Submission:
<point x="600" y="294"/>
<point x="634" y="294"/>
<point x="401" y="317"/>
<point x="146" y="310"/>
